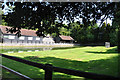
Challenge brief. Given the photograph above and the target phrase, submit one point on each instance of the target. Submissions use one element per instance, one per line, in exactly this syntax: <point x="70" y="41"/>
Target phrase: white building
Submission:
<point x="27" y="36"/>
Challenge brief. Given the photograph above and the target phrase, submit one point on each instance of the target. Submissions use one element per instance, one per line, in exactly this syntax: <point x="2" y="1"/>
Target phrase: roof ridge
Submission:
<point x="23" y="31"/>
<point x="66" y="37"/>
<point x="11" y="27"/>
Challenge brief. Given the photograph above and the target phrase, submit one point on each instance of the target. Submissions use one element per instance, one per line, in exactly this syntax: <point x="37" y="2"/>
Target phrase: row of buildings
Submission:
<point x="30" y="36"/>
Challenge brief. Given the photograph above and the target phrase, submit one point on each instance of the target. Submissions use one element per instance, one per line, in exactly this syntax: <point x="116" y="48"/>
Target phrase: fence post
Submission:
<point x="48" y="71"/>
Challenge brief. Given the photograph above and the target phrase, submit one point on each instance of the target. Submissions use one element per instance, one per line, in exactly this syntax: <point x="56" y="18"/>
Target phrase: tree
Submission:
<point x="76" y="32"/>
<point x="38" y="16"/>
<point x="81" y="34"/>
<point x="113" y="37"/>
<point x="42" y="16"/>
<point x="116" y="23"/>
<point x="64" y="31"/>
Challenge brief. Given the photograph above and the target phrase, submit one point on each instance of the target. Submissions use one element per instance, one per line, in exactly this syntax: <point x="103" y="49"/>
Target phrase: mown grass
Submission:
<point x="8" y="75"/>
<point x="98" y="60"/>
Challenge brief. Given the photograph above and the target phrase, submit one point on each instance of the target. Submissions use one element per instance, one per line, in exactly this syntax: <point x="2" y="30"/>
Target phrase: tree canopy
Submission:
<point x="47" y="17"/>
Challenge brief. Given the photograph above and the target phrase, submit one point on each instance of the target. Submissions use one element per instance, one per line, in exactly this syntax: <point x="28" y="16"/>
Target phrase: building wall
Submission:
<point x="30" y="39"/>
<point x="48" y="40"/>
<point x="7" y="39"/>
<point x="59" y="40"/>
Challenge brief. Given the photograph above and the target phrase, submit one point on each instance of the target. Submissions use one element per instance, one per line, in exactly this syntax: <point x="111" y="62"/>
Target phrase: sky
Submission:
<point x="98" y="22"/>
<point x="108" y="21"/>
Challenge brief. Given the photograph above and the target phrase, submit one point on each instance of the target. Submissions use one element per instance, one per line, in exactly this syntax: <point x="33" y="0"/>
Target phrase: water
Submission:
<point x="23" y="49"/>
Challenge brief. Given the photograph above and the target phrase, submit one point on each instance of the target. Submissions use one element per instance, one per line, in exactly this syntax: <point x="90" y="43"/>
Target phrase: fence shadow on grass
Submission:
<point x="102" y="66"/>
<point x="110" y="51"/>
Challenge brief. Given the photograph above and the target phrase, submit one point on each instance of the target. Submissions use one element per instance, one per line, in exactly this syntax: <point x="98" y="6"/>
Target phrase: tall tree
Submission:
<point x="116" y="22"/>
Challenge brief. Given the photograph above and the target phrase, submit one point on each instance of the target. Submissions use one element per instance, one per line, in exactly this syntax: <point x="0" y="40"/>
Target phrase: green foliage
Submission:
<point x="30" y="15"/>
<point x="82" y="34"/>
<point x="3" y="22"/>
<point x="64" y="31"/>
<point x="75" y="32"/>
<point x="104" y="31"/>
<point x="94" y="34"/>
<point x="113" y="37"/>
<point x="115" y="33"/>
<point x="54" y="35"/>
<point x="90" y="37"/>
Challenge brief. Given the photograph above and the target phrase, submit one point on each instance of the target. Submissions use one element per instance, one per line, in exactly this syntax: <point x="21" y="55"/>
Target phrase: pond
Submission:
<point x="23" y="49"/>
<point x="28" y="49"/>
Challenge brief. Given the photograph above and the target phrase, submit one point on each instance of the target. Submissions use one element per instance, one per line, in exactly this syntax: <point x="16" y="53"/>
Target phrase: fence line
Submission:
<point x="49" y="69"/>
<point x="42" y="66"/>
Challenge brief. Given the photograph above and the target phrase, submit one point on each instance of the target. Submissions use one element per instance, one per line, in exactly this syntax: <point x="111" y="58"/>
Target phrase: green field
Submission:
<point x="99" y="60"/>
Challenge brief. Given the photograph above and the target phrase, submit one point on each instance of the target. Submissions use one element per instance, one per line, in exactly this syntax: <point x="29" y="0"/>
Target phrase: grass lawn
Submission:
<point x="99" y="60"/>
<point x="8" y="75"/>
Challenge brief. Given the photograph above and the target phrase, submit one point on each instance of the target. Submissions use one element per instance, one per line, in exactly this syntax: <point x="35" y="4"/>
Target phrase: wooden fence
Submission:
<point x="49" y="69"/>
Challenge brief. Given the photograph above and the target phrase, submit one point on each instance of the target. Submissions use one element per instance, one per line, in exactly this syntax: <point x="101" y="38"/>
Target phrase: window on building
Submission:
<point x="21" y="37"/>
<point x="30" y="38"/>
<point x="37" y="38"/>
<point x="6" y="36"/>
<point x="11" y="37"/>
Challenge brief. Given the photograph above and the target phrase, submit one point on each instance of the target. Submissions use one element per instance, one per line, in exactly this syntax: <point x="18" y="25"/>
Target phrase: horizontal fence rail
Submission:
<point x="49" y="69"/>
<point x="15" y="72"/>
<point x="42" y="66"/>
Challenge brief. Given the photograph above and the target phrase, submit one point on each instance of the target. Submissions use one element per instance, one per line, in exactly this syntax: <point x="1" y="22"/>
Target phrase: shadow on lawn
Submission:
<point x="103" y="66"/>
<point x="110" y="51"/>
<point x="62" y="48"/>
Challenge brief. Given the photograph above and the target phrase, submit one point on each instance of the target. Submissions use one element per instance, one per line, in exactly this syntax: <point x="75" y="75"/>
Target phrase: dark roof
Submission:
<point x="23" y="31"/>
<point x="66" y="37"/>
